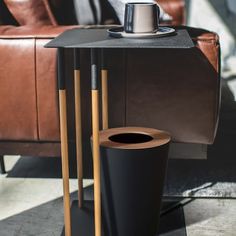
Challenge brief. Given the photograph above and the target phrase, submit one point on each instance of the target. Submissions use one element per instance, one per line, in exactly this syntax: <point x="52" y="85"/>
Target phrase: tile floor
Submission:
<point x="31" y="204"/>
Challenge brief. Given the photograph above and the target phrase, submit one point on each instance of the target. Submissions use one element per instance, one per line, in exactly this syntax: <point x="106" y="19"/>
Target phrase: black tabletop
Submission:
<point x="99" y="38"/>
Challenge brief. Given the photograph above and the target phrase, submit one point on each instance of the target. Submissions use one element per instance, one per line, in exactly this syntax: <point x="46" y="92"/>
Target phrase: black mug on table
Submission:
<point x="141" y="17"/>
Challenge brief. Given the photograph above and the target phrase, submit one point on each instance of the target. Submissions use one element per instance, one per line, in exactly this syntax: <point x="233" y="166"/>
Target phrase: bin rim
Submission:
<point x="159" y="138"/>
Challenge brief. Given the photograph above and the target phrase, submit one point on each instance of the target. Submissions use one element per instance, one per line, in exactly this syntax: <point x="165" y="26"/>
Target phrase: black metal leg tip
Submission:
<point x="2" y="166"/>
<point x="82" y="219"/>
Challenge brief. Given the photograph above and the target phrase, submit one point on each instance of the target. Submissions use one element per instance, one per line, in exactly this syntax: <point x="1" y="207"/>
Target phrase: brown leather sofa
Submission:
<point x="176" y="90"/>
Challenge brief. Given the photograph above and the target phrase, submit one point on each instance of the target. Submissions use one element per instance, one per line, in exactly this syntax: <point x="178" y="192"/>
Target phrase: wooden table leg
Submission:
<point x="78" y="125"/>
<point x="96" y="151"/>
<point x="104" y="78"/>
<point x="64" y="141"/>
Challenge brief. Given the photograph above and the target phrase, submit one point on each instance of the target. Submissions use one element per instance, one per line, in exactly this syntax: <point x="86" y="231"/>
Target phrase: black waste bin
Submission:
<point x="133" y="167"/>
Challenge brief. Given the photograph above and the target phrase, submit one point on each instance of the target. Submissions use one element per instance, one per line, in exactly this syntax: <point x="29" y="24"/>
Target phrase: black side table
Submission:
<point x="96" y="40"/>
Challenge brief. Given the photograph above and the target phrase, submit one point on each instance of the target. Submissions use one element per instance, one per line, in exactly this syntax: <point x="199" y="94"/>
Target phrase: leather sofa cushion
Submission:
<point x="17" y="90"/>
<point x="31" y="12"/>
<point x="47" y="104"/>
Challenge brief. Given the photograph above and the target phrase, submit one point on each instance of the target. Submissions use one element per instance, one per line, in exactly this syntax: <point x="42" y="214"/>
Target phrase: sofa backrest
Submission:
<point x="6" y="17"/>
<point x="61" y="12"/>
<point x="31" y="12"/>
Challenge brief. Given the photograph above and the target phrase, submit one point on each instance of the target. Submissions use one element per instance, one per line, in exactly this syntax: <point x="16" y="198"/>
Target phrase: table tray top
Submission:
<point x="99" y="38"/>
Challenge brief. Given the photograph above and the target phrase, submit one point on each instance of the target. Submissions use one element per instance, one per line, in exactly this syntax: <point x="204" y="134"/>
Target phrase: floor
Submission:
<point x="31" y="203"/>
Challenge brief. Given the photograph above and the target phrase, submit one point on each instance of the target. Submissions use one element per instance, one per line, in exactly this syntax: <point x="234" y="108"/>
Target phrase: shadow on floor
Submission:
<point x="223" y="149"/>
<point x="47" y="219"/>
<point x="38" y="167"/>
<point x="188" y="178"/>
<point x="200" y="178"/>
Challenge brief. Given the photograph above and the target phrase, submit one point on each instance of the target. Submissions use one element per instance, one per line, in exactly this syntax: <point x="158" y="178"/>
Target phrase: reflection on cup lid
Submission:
<point x="141" y="17"/>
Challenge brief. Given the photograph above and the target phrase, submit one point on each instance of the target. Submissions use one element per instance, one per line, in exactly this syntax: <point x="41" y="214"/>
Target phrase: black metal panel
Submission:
<point x="98" y="38"/>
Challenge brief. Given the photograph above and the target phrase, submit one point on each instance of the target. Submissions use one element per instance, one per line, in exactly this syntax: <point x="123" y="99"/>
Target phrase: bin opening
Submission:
<point x="131" y="138"/>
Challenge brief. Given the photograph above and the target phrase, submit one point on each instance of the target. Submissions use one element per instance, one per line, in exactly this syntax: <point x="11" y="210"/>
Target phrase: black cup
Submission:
<point x="141" y="17"/>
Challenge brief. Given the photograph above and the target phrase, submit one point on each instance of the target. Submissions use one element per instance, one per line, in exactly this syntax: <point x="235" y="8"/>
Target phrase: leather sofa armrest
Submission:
<point x="175" y="8"/>
<point x="14" y="32"/>
<point x="208" y="42"/>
